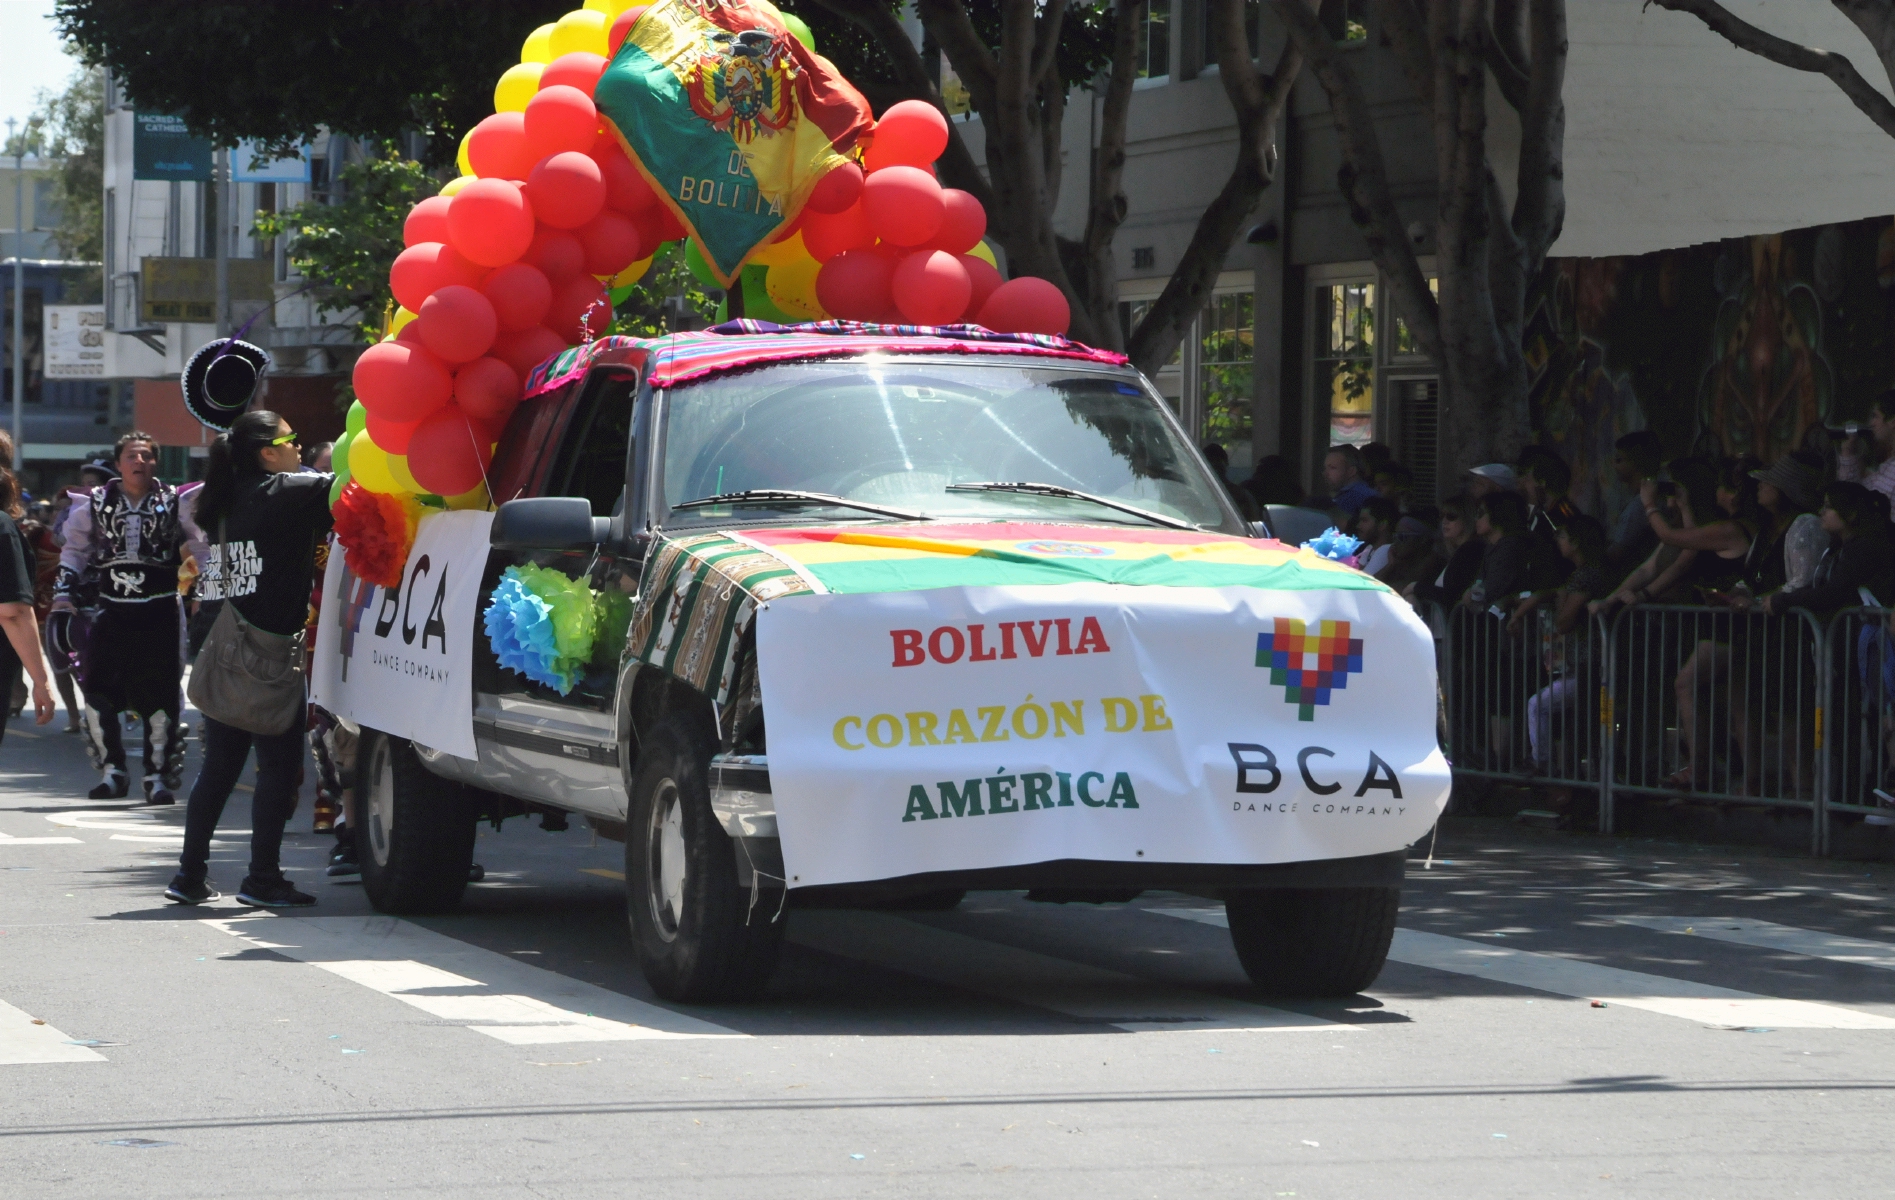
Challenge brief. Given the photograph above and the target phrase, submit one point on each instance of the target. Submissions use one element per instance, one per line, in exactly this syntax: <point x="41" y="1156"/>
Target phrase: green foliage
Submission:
<point x="643" y="312"/>
<point x="348" y="246"/>
<point x="278" y="71"/>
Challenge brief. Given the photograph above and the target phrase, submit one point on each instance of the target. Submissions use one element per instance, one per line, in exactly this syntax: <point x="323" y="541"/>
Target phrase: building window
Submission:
<point x="1154" y="52"/>
<point x="1347" y="21"/>
<point x="1344" y="359"/>
<point x="1226" y="350"/>
<point x="1253" y="14"/>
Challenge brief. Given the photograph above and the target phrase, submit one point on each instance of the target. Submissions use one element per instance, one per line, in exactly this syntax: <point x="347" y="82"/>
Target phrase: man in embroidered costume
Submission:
<point x="124" y="544"/>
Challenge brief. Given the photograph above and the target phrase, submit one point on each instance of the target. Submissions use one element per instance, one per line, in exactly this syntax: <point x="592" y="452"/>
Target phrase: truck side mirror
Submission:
<point x="548" y="523"/>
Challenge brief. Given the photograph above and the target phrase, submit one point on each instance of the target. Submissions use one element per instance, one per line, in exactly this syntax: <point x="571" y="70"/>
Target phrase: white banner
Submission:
<point x="984" y="727"/>
<point x="401" y="659"/>
<point x="74" y="338"/>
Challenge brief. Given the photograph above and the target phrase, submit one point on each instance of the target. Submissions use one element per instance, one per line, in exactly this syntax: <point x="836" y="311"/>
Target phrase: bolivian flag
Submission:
<point x="730" y="118"/>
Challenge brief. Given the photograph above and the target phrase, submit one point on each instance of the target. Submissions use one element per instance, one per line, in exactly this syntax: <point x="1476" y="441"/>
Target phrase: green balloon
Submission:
<point x="339" y="456"/>
<point x="700" y="270"/>
<point x="620" y="295"/>
<point x="799" y="29"/>
<point x="357" y="420"/>
<point x="335" y="489"/>
<point x="757" y="303"/>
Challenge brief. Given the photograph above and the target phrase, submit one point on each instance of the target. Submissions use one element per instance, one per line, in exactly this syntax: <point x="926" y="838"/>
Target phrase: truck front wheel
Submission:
<point x="698" y="937"/>
<point x="416" y="840"/>
<point x="1314" y="942"/>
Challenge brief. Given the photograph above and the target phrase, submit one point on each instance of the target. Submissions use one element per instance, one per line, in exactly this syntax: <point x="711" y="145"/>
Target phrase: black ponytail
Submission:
<point x="233" y="456"/>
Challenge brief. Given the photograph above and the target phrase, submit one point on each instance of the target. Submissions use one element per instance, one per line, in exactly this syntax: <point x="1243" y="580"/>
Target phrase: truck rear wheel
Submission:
<point x="416" y="840"/>
<point x="1315" y="942"/>
<point x="697" y="936"/>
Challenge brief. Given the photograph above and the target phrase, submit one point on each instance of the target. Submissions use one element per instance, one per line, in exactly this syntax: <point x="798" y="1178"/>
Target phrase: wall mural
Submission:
<point x="1749" y="346"/>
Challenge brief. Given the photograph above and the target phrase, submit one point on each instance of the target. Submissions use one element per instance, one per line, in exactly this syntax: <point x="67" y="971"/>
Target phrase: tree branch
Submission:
<point x="1539" y="208"/>
<point x="1364" y="177"/>
<point x="954" y="32"/>
<point x="1876" y="20"/>
<point x="957" y="162"/>
<point x="1106" y="205"/>
<point x="1746" y="36"/>
<point x="1506" y="51"/>
<point x="1258" y="103"/>
<point x="1046" y="40"/>
<point x="1407" y="34"/>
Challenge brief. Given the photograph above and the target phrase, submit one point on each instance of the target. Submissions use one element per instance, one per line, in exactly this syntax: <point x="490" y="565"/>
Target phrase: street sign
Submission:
<point x="185" y="289"/>
<point x="249" y="164"/>
<point x="162" y="148"/>
<point x="74" y="340"/>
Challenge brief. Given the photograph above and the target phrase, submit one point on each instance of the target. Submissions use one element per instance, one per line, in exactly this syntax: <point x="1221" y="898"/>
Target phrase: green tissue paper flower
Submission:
<point x="575" y="623"/>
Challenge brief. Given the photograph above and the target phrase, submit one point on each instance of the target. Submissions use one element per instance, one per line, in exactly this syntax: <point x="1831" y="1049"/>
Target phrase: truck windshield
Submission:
<point x="900" y="434"/>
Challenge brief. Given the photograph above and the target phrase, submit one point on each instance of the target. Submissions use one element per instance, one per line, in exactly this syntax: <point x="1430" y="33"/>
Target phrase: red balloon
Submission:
<point x="1026" y="305"/>
<point x="391" y="436"/>
<point x="826" y="235"/>
<point x="931" y="287"/>
<point x="622" y="27"/>
<point x="579" y="299"/>
<point x="519" y="294"/>
<point x="903" y="205"/>
<point x="488" y="432"/>
<point x="556" y="253"/>
<point x="912" y="133"/>
<point x="497" y="148"/>
<point x="625" y="189"/>
<point x="427" y="222"/>
<point x="487" y="389"/>
<point x="559" y="118"/>
<point x="668" y="229"/>
<point x="457" y="323"/>
<point x="854" y="285"/>
<point x="419" y="270"/>
<point x="446" y="454"/>
<point x="612" y="241"/>
<point x="963" y="222"/>
<point x="490" y="222"/>
<point x="527" y="348"/>
<point x="580" y="69"/>
<point x="401" y="381"/>
<point x="566" y="190"/>
<point x="985" y="279"/>
<point x="837" y="190"/>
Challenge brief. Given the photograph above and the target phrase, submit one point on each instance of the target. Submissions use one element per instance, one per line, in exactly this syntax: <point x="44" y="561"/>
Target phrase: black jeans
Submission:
<point x="133" y="659"/>
<point x="279" y="757"/>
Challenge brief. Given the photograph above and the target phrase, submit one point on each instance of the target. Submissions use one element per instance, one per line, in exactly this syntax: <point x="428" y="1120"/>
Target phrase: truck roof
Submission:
<point x="735" y="345"/>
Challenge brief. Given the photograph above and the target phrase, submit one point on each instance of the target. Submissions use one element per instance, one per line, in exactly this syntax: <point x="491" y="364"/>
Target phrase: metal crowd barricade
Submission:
<point x="1860" y="741"/>
<point x="1523" y="702"/>
<point x="1717" y="705"/>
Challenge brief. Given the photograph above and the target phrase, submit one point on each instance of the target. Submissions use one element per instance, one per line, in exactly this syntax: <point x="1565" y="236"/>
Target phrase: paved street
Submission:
<point x="1746" y="1046"/>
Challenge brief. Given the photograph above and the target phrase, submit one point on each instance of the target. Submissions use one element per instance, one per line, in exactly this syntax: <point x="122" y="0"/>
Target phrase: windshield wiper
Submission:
<point x="782" y="497"/>
<point x="1053" y="489"/>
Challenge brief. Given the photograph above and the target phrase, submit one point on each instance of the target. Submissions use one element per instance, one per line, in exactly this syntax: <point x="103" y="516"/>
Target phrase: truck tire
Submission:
<point x="416" y="841"/>
<point x="697" y="935"/>
<point x="1313" y="942"/>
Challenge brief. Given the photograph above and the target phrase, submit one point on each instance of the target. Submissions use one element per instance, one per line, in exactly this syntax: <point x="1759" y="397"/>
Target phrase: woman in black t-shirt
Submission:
<point x="21" y="645"/>
<point x="261" y="515"/>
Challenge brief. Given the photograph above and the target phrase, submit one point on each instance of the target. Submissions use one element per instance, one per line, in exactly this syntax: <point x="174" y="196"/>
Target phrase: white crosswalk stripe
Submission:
<point x="1724" y="1007"/>
<point x="22" y="1041"/>
<point x="505" y="999"/>
<point x="1771" y="936"/>
<point x="1036" y="980"/>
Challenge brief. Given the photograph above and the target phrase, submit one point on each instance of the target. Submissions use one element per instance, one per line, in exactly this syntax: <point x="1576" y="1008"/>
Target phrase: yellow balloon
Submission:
<point x="611" y="8"/>
<point x="368" y="466"/>
<point x="581" y="29"/>
<point x="398" y="471"/>
<point x="456" y="184"/>
<point x="631" y="274"/>
<point x="402" y="317"/>
<point x="984" y="253"/>
<point x="518" y="84"/>
<point x="460" y="156"/>
<point x="772" y="254"/>
<point x="474" y="499"/>
<point x="792" y="288"/>
<point x="539" y="46"/>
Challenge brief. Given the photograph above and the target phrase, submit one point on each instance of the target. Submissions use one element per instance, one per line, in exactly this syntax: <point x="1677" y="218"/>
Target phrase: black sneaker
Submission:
<point x="113" y="787"/>
<point x="272" y="893"/>
<point x="342" y="863"/>
<point x="160" y="795"/>
<point x="185" y="890"/>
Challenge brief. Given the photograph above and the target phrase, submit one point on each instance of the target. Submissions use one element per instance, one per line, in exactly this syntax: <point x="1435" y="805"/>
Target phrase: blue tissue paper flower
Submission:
<point x="520" y="627"/>
<point x="1335" y="545"/>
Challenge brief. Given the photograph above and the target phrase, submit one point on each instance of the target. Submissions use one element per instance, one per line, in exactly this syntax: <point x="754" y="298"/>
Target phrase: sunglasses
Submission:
<point x="288" y="439"/>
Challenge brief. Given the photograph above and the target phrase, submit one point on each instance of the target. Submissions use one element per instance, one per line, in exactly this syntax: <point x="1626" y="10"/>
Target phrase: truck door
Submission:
<point x="543" y="742"/>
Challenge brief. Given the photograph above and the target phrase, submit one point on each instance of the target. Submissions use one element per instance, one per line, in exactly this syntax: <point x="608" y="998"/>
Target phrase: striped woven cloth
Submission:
<point x="734" y="345"/>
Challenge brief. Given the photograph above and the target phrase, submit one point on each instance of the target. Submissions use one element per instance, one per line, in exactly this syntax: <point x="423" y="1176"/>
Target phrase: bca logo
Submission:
<point x="1309" y="665"/>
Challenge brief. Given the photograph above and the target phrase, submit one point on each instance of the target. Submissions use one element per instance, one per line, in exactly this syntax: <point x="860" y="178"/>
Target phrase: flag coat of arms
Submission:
<point x="730" y="118"/>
